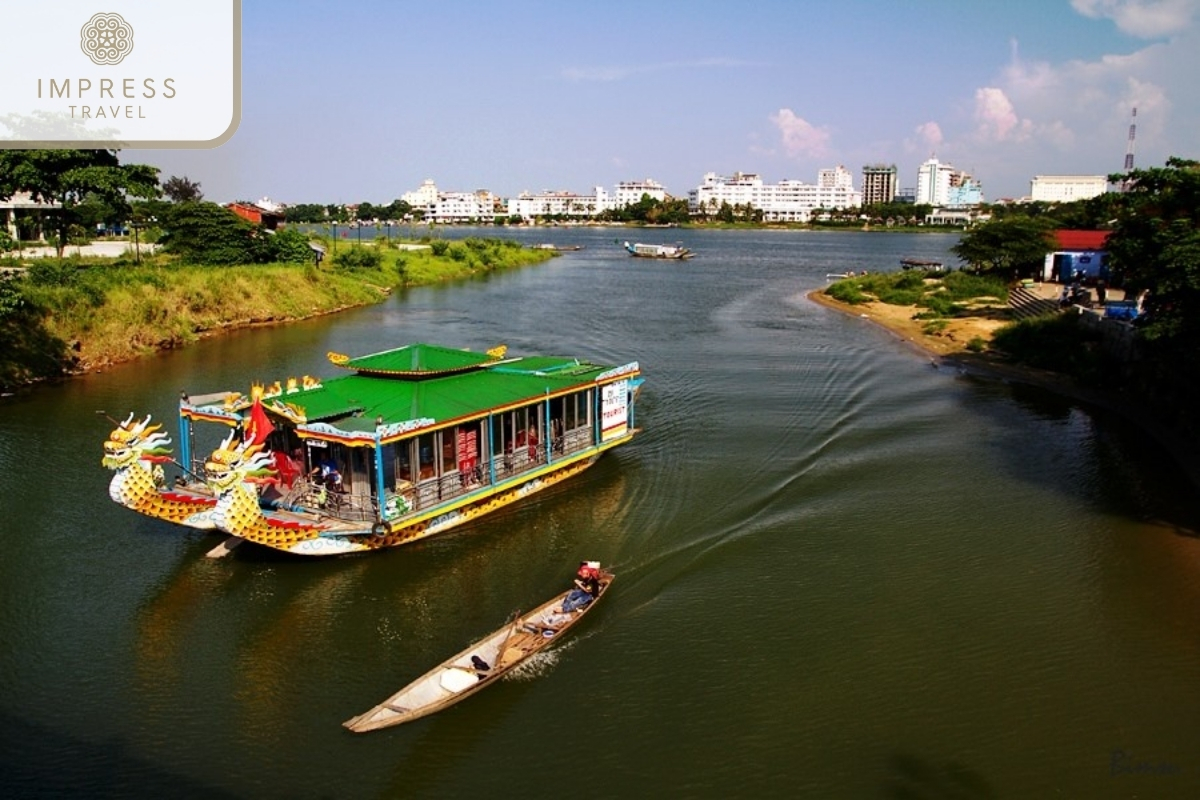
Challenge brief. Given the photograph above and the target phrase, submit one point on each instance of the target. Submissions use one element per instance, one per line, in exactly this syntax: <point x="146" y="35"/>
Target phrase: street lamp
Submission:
<point x="137" y="249"/>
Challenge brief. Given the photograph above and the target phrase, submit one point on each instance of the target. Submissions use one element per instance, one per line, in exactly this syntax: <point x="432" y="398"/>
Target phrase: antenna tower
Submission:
<point x="1129" y="147"/>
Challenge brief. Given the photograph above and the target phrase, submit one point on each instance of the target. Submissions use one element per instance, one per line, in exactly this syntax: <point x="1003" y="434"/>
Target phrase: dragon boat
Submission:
<point x="411" y="442"/>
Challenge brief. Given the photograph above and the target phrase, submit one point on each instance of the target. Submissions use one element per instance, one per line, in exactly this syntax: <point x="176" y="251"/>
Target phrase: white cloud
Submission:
<point x="1143" y="18"/>
<point x="929" y="135"/>
<point x="799" y="137"/>
<point x="996" y="119"/>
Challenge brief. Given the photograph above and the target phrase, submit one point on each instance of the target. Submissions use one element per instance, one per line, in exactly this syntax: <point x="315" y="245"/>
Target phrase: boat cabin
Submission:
<point x="418" y="431"/>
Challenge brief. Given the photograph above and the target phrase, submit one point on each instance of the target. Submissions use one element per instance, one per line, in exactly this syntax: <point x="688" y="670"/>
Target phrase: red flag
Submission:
<point x="258" y="427"/>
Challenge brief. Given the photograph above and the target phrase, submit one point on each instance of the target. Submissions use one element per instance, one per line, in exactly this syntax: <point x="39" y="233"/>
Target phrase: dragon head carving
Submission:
<point x="132" y="441"/>
<point x="235" y="462"/>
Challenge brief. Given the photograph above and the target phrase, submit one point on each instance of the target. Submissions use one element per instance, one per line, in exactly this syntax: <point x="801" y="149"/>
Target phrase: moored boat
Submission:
<point x="480" y="665"/>
<point x="412" y="442"/>
<point x="658" y="251"/>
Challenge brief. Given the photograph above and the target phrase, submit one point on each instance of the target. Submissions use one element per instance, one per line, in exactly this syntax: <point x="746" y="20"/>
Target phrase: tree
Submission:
<point x="1007" y="248"/>
<point x="1155" y="247"/>
<point x="66" y="177"/>
<point x="182" y="190"/>
<point x="206" y="233"/>
<point x="289" y="246"/>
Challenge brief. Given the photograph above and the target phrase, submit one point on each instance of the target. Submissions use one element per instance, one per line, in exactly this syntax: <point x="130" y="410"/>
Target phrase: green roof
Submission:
<point x="414" y="360"/>
<point x="383" y="387"/>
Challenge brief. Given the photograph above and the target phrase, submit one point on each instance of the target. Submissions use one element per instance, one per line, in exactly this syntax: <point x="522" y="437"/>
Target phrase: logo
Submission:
<point x="106" y="39"/>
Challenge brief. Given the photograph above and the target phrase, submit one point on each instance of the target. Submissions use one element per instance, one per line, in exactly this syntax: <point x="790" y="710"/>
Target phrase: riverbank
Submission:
<point x="948" y="348"/>
<point x="80" y="316"/>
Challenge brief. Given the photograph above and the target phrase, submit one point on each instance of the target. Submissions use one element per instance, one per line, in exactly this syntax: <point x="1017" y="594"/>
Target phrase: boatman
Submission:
<point x="587" y="587"/>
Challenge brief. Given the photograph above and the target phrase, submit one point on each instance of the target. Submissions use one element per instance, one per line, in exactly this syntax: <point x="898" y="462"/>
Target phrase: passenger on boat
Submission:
<point x="327" y="474"/>
<point x="587" y="587"/>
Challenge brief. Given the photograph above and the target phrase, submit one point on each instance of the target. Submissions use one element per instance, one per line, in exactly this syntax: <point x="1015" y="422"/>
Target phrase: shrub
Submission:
<point x="977" y="344"/>
<point x="439" y="247"/>
<point x="358" y="257"/>
<point x="847" y="292"/>
<point x="290" y="246"/>
<point x="50" y="272"/>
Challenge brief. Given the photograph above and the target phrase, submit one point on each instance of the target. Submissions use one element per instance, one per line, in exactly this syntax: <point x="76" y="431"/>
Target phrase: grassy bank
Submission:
<point x="83" y="314"/>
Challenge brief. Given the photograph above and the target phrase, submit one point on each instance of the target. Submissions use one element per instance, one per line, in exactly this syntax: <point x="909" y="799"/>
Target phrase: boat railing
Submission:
<point x="307" y="495"/>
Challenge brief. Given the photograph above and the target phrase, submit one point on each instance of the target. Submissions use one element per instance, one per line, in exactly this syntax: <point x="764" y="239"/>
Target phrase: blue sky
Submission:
<point x="345" y="102"/>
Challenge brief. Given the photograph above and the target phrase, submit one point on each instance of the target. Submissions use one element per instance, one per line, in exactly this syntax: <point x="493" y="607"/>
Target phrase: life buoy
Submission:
<point x="379" y="529"/>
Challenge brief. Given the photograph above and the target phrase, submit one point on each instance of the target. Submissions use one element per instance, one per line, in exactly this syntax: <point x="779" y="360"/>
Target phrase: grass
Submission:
<point x="102" y="311"/>
<point x="941" y="294"/>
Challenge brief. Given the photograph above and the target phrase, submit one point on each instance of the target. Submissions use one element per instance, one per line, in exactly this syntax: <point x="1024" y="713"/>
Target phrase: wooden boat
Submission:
<point x="658" y="251"/>
<point x="422" y="438"/>
<point x="478" y="666"/>
<point x="921" y="263"/>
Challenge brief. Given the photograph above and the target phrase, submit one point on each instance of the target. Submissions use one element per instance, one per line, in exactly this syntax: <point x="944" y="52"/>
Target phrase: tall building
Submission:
<point x="1066" y="188"/>
<point x="941" y="184"/>
<point x="933" y="183"/>
<point x="879" y="184"/>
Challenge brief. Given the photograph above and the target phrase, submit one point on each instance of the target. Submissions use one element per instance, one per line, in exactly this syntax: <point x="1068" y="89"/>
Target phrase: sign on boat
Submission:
<point x="412" y="442"/>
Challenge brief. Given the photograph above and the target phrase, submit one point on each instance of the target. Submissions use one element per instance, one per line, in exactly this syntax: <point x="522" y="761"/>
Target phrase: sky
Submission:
<point x="350" y="102"/>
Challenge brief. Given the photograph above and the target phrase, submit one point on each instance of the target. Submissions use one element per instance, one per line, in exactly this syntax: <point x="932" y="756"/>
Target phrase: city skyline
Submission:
<point x="346" y="104"/>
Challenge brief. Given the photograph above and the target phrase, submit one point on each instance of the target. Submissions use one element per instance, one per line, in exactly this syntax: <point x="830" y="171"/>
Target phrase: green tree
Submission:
<point x="182" y="190"/>
<point x="289" y="246"/>
<point x="66" y="177"/>
<point x="304" y="213"/>
<point x="1155" y="247"/>
<point x="1007" y="248"/>
<point x="206" y="233"/>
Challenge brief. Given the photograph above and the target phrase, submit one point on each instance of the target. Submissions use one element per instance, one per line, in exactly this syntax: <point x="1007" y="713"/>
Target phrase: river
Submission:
<point x="841" y="572"/>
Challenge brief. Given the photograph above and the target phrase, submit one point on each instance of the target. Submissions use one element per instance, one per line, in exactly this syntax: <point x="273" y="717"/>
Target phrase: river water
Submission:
<point x="841" y="572"/>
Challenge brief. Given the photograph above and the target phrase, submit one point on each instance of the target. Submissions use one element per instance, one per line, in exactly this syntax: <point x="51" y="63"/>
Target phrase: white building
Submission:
<point x="425" y="195"/>
<point x="568" y="204"/>
<point x="933" y="183"/>
<point x="1066" y="188"/>
<point x="786" y="201"/>
<point x="941" y="184"/>
<point x="449" y="207"/>
<point x="630" y="192"/>
<point x="561" y="204"/>
<point x="22" y="204"/>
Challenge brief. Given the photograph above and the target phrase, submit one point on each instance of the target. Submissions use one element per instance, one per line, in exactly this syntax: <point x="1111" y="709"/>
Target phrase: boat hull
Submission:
<point x="434" y="522"/>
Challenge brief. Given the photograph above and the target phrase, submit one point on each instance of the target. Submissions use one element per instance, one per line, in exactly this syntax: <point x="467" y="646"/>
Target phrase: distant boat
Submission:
<point x="559" y="248"/>
<point x="479" y="666"/>
<point x="920" y="263"/>
<point x="658" y="251"/>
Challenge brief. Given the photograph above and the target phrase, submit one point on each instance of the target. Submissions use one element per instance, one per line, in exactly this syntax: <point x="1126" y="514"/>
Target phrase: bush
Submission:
<point x="290" y="246"/>
<point x="847" y="292"/>
<point x="51" y="272"/>
<point x="439" y="247"/>
<point x="358" y="257"/>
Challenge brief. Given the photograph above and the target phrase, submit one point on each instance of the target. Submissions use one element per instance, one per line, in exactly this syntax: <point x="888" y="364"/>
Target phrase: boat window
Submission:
<point x="404" y="462"/>
<point x="449" y="462"/>
<point x="426" y="456"/>
<point x="583" y="410"/>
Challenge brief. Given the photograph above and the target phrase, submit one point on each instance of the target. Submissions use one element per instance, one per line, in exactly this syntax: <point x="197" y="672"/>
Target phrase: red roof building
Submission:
<point x="1075" y="241"/>
<point x="257" y="214"/>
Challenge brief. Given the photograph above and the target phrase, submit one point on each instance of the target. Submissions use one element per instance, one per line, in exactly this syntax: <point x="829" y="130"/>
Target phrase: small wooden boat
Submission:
<point x="478" y="666"/>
